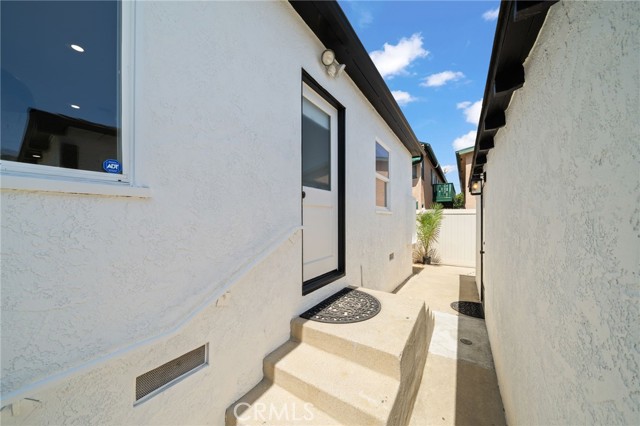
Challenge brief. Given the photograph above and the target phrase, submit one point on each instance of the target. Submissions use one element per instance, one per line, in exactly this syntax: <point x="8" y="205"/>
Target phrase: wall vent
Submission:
<point x="162" y="377"/>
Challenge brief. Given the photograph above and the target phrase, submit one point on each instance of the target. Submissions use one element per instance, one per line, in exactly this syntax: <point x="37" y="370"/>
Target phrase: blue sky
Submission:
<point x="434" y="56"/>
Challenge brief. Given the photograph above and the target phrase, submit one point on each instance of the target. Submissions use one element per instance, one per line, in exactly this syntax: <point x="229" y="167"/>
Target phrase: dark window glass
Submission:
<point x="316" y="147"/>
<point x="382" y="160"/>
<point x="61" y="84"/>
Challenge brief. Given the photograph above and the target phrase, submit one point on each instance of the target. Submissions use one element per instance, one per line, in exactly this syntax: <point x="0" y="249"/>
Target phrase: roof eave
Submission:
<point x="518" y="26"/>
<point x="434" y="160"/>
<point x="329" y="23"/>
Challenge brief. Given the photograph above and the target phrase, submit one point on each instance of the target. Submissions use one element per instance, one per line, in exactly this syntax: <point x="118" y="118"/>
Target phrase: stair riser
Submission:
<point x="382" y="362"/>
<point x="341" y="410"/>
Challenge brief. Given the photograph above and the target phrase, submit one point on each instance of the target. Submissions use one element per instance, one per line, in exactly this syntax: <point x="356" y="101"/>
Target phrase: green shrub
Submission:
<point x="428" y="229"/>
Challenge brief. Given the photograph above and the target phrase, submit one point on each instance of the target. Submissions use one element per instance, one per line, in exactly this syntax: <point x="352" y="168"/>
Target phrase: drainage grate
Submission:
<point x="344" y="307"/>
<point x="167" y="373"/>
<point x="472" y="309"/>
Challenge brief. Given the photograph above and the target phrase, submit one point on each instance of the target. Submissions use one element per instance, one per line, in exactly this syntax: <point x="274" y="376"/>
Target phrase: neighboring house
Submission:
<point x="429" y="182"/>
<point x="242" y="186"/>
<point x="557" y="148"/>
<point x="464" y="158"/>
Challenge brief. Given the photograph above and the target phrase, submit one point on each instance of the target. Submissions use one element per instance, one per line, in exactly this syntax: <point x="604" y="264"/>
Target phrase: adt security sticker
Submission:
<point x="112" y="166"/>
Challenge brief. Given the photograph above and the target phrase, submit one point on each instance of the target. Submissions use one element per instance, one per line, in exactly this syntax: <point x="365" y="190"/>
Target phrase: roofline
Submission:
<point x="464" y="150"/>
<point x="329" y="23"/>
<point x="434" y="160"/>
<point x="519" y="23"/>
<point x="459" y="164"/>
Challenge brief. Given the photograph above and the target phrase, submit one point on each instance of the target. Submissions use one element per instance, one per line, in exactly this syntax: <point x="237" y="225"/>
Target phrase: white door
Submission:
<point x="319" y="185"/>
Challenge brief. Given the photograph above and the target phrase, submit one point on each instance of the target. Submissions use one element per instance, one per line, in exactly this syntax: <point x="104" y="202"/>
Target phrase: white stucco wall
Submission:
<point x="98" y="289"/>
<point x="562" y="208"/>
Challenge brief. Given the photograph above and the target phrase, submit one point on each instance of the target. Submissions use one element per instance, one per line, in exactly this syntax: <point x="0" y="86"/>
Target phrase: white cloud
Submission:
<point x="449" y="168"/>
<point x="465" y="141"/>
<point x="471" y="110"/>
<point x="441" y="78"/>
<point x="394" y="59"/>
<point x="402" y="97"/>
<point x="364" y="17"/>
<point x="491" y="15"/>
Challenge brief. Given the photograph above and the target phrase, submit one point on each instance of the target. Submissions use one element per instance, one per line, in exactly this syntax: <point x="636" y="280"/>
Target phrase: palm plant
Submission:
<point x="428" y="228"/>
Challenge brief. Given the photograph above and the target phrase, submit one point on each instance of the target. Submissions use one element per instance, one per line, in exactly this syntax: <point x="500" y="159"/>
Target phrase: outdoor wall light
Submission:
<point x="334" y="68"/>
<point x="476" y="186"/>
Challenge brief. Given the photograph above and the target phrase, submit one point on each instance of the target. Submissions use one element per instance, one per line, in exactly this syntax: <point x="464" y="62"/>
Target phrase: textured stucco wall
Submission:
<point x="562" y="208"/>
<point x="217" y="134"/>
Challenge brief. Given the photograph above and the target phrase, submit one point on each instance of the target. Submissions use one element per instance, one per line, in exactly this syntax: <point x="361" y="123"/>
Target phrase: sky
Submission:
<point x="434" y="56"/>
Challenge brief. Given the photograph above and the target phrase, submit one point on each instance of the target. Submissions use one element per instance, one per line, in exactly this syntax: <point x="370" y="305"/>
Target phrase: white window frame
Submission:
<point x="35" y="177"/>
<point x="387" y="208"/>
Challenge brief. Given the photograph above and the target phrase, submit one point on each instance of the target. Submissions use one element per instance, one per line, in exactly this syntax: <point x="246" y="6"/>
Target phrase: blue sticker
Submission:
<point x="112" y="166"/>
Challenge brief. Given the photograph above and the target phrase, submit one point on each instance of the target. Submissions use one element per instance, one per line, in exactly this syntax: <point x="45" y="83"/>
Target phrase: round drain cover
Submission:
<point x="472" y="309"/>
<point x="466" y="342"/>
<point x="346" y="306"/>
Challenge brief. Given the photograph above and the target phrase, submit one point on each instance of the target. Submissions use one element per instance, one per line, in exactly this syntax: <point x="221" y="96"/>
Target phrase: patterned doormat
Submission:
<point x="472" y="309"/>
<point x="346" y="306"/>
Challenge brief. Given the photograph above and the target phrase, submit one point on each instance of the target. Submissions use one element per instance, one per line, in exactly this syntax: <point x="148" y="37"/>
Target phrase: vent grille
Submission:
<point x="167" y="373"/>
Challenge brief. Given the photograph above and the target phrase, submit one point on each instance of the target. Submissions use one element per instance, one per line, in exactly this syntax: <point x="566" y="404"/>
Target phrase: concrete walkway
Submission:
<point x="459" y="385"/>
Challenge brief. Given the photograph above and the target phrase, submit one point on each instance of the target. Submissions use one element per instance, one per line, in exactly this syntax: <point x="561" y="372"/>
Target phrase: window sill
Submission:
<point x="115" y="189"/>
<point x="383" y="210"/>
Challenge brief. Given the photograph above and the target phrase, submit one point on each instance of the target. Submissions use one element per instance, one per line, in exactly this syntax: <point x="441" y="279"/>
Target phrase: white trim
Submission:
<point x="36" y="177"/>
<point x="127" y="79"/>
<point x="58" y="184"/>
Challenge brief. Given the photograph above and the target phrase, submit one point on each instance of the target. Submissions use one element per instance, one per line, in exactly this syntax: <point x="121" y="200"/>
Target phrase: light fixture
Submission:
<point x="36" y="155"/>
<point x="476" y="186"/>
<point x="77" y="48"/>
<point x="74" y="106"/>
<point x="328" y="56"/>
<point x="334" y="68"/>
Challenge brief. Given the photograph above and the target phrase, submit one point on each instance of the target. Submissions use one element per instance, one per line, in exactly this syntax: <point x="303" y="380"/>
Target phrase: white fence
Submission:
<point x="457" y="242"/>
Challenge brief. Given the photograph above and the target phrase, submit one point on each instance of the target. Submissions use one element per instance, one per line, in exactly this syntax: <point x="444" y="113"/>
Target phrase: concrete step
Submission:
<point x="383" y="343"/>
<point x="360" y="373"/>
<point x="269" y="404"/>
<point x="352" y="393"/>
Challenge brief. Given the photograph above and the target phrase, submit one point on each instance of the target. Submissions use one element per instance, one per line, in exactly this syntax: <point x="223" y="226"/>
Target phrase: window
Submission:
<point x="382" y="176"/>
<point x="414" y="171"/>
<point x="61" y="109"/>
<point x="316" y="146"/>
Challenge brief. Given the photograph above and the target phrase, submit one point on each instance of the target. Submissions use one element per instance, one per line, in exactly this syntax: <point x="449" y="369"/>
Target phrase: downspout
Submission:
<point x="482" y="248"/>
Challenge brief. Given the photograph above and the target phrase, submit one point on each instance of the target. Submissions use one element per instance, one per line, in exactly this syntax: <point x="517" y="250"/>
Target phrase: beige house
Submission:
<point x="429" y="182"/>
<point x="464" y="158"/>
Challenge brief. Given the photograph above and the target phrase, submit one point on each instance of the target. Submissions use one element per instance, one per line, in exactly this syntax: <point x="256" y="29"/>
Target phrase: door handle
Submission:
<point x="304" y="194"/>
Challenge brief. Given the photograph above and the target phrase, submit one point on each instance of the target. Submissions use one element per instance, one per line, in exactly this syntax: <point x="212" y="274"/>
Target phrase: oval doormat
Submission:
<point x="472" y="309"/>
<point x="346" y="306"/>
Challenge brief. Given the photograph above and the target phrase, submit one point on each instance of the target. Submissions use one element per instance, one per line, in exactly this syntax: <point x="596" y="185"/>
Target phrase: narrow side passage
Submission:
<point x="459" y="385"/>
